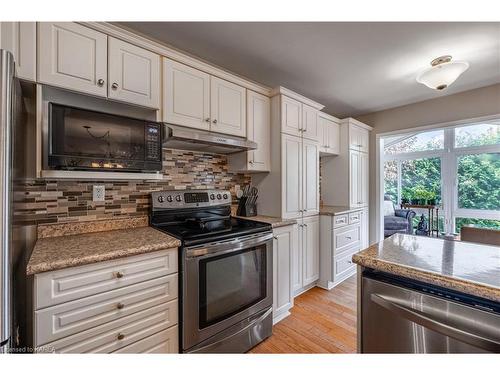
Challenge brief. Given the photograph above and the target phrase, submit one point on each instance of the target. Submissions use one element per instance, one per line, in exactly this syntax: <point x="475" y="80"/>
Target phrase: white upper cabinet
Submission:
<point x="227" y="107"/>
<point x="291" y="116"/>
<point x="310" y="128"/>
<point x="134" y="74"/>
<point x="186" y="95"/>
<point x="358" y="138"/>
<point x="291" y="148"/>
<point x="259" y="130"/>
<point x="310" y="243"/>
<point x="310" y="178"/>
<point x="73" y="57"/>
<point x="20" y="39"/>
<point x="329" y="131"/>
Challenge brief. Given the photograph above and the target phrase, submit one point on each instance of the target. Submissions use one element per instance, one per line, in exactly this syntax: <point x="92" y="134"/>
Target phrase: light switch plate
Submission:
<point x="98" y="193"/>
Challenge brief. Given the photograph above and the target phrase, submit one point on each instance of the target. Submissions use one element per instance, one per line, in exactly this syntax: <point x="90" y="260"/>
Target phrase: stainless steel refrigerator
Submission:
<point x="14" y="248"/>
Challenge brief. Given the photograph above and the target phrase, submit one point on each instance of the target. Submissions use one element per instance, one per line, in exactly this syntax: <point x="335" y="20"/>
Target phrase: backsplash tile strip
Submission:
<point x="39" y="201"/>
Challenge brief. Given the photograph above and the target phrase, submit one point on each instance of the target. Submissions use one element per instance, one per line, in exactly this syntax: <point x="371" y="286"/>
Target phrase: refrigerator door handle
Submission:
<point x="419" y="318"/>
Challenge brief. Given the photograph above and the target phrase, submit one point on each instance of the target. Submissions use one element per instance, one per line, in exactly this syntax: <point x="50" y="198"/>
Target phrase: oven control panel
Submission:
<point x="189" y="198"/>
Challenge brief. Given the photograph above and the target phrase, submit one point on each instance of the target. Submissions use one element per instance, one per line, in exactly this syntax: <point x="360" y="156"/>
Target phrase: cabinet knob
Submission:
<point x="120" y="306"/>
<point x="348" y="237"/>
<point x="114" y="86"/>
<point x="275" y="237"/>
<point x="305" y="225"/>
<point x="207" y="119"/>
<point x="251" y="162"/>
<point x="119" y="275"/>
<point x="120" y="336"/>
<point x="100" y="82"/>
<point x="215" y="121"/>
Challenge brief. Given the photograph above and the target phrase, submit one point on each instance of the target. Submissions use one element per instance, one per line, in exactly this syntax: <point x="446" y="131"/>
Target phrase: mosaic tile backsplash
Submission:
<point x="41" y="201"/>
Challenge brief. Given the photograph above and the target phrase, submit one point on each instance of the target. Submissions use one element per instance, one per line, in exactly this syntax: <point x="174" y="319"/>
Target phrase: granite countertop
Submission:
<point x="462" y="266"/>
<point x="275" y="222"/>
<point x="336" y="210"/>
<point x="53" y="253"/>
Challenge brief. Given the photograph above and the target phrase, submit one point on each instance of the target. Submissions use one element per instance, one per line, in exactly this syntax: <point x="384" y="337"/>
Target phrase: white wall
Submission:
<point x="484" y="101"/>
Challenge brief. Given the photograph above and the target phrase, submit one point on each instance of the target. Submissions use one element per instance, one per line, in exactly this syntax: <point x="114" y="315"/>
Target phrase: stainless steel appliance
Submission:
<point x="14" y="160"/>
<point x="81" y="139"/>
<point x="226" y="271"/>
<point x="205" y="141"/>
<point x="404" y="316"/>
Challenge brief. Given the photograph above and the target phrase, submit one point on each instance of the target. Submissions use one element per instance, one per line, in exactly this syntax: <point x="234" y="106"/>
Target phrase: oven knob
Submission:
<point x="212" y="196"/>
<point x="161" y="199"/>
<point x="169" y="198"/>
<point x="178" y="198"/>
<point x="219" y="196"/>
<point x="225" y="196"/>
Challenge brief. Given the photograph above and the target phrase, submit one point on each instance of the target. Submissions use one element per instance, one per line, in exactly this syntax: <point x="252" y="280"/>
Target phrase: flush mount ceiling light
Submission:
<point x="442" y="73"/>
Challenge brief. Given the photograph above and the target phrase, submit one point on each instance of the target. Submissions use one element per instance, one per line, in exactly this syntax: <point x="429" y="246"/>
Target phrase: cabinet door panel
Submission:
<point x="291" y="117"/>
<point x="72" y="56"/>
<point x="291" y="160"/>
<point x="186" y="95"/>
<point x="228" y="107"/>
<point x="333" y="138"/>
<point x="310" y="123"/>
<point x="259" y="130"/>
<point x="311" y="250"/>
<point x="134" y="74"/>
<point x="283" y="244"/>
<point x="354" y="179"/>
<point x="363" y="179"/>
<point x="297" y="260"/>
<point x="20" y="39"/>
<point x="310" y="177"/>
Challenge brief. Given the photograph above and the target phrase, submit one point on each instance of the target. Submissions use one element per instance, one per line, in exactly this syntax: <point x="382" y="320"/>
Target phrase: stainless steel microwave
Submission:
<point x="81" y="139"/>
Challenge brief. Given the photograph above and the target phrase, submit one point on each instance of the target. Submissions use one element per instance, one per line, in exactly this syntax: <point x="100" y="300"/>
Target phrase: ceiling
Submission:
<point x="351" y="68"/>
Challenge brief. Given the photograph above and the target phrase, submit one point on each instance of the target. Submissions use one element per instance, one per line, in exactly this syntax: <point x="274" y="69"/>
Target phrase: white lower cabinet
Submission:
<point x="305" y="261"/>
<point x="341" y="236"/>
<point x="284" y="247"/>
<point x="115" y="306"/>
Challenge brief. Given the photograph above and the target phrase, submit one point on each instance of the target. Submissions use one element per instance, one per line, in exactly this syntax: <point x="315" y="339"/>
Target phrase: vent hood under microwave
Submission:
<point x="179" y="137"/>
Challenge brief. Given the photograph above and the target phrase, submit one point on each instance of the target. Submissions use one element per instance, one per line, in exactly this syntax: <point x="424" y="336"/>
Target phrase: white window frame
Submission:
<point x="449" y="177"/>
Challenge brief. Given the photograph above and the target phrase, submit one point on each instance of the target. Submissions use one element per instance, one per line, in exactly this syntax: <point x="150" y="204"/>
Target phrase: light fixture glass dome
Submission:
<point x="442" y="73"/>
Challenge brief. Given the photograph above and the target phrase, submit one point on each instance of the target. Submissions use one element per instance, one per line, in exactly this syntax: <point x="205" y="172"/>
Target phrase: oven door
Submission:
<point x="224" y="283"/>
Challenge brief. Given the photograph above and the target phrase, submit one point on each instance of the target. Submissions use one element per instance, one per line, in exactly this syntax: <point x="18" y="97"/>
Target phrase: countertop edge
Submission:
<point x="455" y="283"/>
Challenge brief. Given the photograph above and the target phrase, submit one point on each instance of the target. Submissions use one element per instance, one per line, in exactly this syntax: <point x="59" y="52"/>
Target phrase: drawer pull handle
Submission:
<point x="120" y="336"/>
<point x="349" y="261"/>
<point x="348" y="237"/>
<point x="119" y="275"/>
<point x="120" y="306"/>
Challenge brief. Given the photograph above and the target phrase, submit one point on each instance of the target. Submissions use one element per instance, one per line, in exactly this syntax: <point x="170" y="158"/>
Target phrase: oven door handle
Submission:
<point x="435" y="325"/>
<point x="227" y="246"/>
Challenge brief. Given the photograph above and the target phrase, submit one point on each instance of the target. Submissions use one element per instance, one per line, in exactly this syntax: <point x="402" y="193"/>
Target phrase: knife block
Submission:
<point x="246" y="209"/>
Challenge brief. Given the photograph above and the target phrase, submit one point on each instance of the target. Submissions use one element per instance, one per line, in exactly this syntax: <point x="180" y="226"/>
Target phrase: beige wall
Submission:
<point x="484" y="101"/>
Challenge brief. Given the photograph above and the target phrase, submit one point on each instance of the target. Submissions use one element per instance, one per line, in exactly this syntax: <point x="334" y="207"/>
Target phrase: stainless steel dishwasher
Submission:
<point x="404" y="316"/>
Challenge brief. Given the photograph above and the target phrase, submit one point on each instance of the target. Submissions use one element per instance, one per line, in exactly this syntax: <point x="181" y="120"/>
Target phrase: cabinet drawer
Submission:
<point x="52" y="288"/>
<point x="166" y="341"/>
<point x="343" y="264"/>
<point x="72" y="317"/>
<point x="355" y="217"/>
<point x="119" y="333"/>
<point x="340" y="220"/>
<point x="346" y="237"/>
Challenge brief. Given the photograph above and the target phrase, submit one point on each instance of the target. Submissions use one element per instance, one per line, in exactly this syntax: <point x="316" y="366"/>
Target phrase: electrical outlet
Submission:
<point x="98" y="193"/>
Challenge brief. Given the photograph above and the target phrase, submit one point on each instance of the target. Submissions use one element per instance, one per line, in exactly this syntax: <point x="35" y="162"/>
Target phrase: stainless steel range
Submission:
<point x="226" y="271"/>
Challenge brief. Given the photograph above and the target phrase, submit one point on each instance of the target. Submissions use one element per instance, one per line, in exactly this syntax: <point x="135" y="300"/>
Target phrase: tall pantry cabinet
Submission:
<point x="291" y="190"/>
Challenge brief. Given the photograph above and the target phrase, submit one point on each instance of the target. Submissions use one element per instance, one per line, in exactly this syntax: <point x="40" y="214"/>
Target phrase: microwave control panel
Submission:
<point x="153" y="142"/>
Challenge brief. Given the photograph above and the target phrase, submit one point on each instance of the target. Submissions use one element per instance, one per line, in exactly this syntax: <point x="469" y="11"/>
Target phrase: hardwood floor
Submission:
<point x="322" y="321"/>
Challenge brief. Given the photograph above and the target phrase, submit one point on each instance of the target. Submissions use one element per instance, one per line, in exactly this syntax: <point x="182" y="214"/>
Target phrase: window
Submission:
<point x="477" y="135"/>
<point x="391" y="180"/>
<point x="432" y="140"/>
<point x="478" y="179"/>
<point x="421" y="175"/>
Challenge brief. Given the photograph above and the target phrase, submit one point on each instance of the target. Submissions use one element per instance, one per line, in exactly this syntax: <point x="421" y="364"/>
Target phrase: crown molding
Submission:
<point x="280" y="90"/>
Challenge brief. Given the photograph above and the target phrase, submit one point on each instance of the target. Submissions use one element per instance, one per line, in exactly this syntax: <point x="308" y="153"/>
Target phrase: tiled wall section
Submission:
<point x="48" y="201"/>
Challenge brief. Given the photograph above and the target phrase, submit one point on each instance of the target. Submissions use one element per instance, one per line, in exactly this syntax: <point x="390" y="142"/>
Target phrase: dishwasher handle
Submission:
<point x="435" y="325"/>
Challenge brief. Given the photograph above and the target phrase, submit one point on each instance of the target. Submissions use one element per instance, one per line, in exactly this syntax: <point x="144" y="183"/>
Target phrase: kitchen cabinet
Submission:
<point x="72" y="56"/>
<point x="285" y="242"/>
<point x="329" y="130"/>
<point x="228" y="107"/>
<point x="305" y="260"/>
<point x="310" y="177"/>
<point x="258" y="131"/>
<point x="186" y="95"/>
<point x="292" y="179"/>
<point x="198" y="100"/>
<point x="108" y="306"/>
<point x="358" y="179"/>
<point x="133" y="74"/>
<point x="310" y="128"/>
<point x="20" y="39"/>
<point x="358" y="138"/>
<point x="364" y="229"/>
<point x="291" y="116"/>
